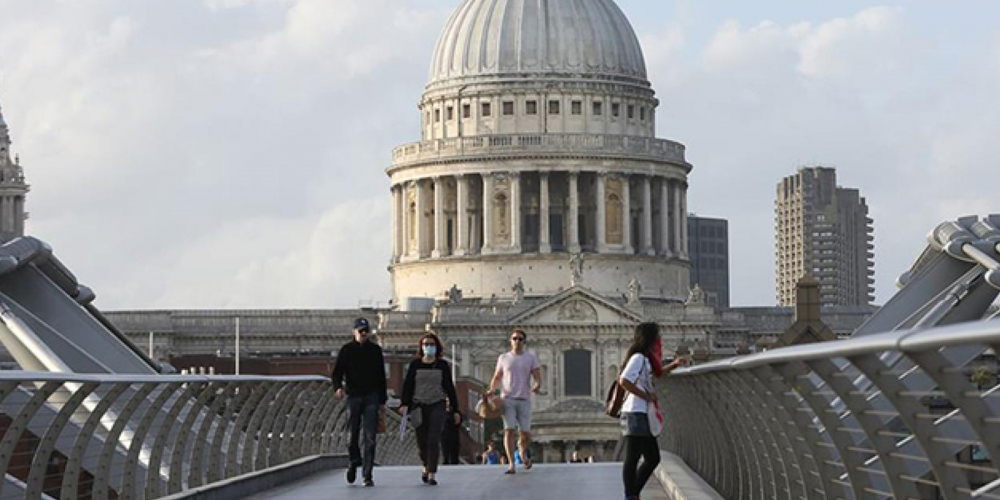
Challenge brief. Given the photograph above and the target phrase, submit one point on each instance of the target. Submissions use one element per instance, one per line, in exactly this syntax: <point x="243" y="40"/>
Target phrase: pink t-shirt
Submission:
<point x="517" y="373"/>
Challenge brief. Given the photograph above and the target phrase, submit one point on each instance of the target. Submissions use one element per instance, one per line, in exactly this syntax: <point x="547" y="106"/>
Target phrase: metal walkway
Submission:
<point x="601" y="481"/>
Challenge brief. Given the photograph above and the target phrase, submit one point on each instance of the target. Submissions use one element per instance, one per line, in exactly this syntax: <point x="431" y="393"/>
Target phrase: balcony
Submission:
<point x="617" y="146"/>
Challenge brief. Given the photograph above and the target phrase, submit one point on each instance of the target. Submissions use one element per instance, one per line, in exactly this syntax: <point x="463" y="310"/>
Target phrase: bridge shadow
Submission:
<point x="578" y="481"/>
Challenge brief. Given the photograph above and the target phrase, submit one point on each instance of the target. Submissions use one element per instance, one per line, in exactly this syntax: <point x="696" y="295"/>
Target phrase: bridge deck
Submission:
<point x="602" y="481"/>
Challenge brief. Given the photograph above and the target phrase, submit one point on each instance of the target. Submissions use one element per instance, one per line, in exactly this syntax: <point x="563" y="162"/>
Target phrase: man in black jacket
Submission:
<point x="361" y="366"/>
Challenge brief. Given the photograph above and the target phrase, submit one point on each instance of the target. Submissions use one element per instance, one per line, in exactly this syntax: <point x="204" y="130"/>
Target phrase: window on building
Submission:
<point x="642" y="113"/>
<point x="598" y="108"/>
<point x="486" y="110"/>
<point x="437" y="115"/>
<point x="450" y="113"/>
<point x="616" y="109"/>
<point x="466" y="110"/>
<point x="576" y="108"/>
<point x="576" y="363"/>
<point x="553" y="107"/>
<point x="508" y="108"/>
<point x="631" y="111"/>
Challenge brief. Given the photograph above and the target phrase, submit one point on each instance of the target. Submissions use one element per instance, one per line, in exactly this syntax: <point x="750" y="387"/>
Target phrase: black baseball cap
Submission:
<point x="361" y="324"/>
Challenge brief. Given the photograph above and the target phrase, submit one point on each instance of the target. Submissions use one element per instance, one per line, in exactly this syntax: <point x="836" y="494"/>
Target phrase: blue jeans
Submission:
<point x="364" y="409"/>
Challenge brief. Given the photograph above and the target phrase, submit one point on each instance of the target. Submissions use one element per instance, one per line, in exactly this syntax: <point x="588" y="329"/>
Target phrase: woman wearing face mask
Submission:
<point x="428" y="382"/>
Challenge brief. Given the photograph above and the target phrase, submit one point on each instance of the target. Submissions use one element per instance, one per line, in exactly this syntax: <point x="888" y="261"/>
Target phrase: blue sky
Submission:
<point x="226" y="153"/>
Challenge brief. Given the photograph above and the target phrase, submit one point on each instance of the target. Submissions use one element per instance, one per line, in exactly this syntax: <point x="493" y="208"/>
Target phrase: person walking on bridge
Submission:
<point x="515" y="370"/>
<point x="428" y="382"/>
<point x="361" y="366"/>
<point x="641" y="407"/>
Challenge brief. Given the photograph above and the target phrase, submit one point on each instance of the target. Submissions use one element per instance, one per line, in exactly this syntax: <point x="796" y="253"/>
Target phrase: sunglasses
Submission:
<point x="517" y="339"/>
<point x="429" y="343"/>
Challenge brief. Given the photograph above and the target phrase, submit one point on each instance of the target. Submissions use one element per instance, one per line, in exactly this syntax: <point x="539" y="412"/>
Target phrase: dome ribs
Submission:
<point x="515" y="38"/>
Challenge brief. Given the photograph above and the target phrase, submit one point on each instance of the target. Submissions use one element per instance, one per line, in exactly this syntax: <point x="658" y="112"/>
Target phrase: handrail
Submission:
<point x="596" y="144"/>
<point x="146" y="436"/>
<point x="892" y="415"/>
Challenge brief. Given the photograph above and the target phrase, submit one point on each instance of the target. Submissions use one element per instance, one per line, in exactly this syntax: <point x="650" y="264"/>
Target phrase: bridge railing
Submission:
<point x="909" y="414"/>
<point x="74" y="436"/>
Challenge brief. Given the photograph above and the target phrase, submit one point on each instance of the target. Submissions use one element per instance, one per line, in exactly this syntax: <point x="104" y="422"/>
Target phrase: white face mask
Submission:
<point x="430" y="350"/>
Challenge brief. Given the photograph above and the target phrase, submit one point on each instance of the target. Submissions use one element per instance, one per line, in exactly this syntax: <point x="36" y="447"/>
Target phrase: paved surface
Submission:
<point x="557" y="481"/>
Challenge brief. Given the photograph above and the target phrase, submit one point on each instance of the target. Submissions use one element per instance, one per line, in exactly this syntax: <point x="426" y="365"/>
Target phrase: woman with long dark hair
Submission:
<point x="643" y="362"/>
<point x="428" y="382"/>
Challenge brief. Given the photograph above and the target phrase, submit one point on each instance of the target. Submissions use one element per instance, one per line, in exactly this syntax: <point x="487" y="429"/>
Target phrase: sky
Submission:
<point x="231" y="153"/>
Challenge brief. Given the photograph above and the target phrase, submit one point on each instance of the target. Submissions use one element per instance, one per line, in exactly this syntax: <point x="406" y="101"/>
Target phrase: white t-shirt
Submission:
<point x="639" y="371"/>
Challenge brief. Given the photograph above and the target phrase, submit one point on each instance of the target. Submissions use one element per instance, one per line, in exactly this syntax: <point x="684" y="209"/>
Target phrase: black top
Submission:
<point x="361" y="367"/>
<point x="410" y="382"/>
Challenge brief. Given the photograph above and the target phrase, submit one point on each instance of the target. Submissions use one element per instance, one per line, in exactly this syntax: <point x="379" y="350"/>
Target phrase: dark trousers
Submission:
<point x="450" y="443"/>
<point x="634" y="475"/>
<point x="429" y="434"/>
<point x="364" y="410"/>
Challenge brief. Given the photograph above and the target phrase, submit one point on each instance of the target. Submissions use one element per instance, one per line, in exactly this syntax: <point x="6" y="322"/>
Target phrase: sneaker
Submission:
<point x="352" y="473"/>
<point x="432" y="482"/>
<point x="510" y="471"/>
<point x="369" y="482"/>
<point x="423" y="477"/>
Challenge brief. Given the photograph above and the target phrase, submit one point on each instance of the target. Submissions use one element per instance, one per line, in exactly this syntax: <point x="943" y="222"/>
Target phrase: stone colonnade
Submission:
<point x="539" y="212"/>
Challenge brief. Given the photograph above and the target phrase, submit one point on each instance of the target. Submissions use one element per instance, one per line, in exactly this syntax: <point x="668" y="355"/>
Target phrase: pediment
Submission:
<point x="577" y="305"/>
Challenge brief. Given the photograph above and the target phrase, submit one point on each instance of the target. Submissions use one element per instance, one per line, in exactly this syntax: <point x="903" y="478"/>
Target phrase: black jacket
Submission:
<point x="361" y="367"/>
<point x="447" y="384"/>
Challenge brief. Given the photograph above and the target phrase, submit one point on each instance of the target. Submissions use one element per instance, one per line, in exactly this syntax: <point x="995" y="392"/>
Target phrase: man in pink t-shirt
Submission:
<point x="515" y="369"/>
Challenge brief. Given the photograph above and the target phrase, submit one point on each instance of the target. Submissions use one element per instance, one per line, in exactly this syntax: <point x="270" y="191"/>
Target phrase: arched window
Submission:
<point x="577" y="369"/>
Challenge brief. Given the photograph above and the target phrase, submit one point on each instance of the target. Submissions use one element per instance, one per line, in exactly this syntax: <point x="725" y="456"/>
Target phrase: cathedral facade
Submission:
<point x="540" y="197"/>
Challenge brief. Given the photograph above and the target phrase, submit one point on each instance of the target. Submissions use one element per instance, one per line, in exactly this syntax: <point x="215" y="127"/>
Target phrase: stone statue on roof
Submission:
<point x="518" y="290"/>
<point x="575" y="269"/>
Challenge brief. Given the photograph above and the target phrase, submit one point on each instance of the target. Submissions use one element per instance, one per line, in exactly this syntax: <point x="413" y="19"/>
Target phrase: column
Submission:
<point x="626" y="214"/>
<point x="440" y="231"/>
<point x="573" y="242"/>
<point x="487" y="213"/>
<point x="675" y="187"/>
<point x="462" y="213"/>
<point x="407" y="228"/>
<point x="682" y="193"/>
<point x="647" y="217"/>
<point x="394" y="222"/>
<point x="544" y="245"/>
<point x="601" y="223"/>
<point x="420" y="224"/>
<point x="665" y="219"/>
<point x="515" y="211"/>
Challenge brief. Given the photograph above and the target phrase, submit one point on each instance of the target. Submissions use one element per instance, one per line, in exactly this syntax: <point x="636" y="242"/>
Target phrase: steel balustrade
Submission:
<point x="74" y="436"/>
<point x="894" y="415"/>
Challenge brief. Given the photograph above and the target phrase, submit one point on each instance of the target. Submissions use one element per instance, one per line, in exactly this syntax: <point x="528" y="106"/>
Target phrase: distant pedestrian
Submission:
<point x="451" y="439"/>
<point x="361" y="367"/>
<point x="427" y="388"/>
<point x="643" y="362"/>
<point x="490" y="456"/>
<point x="515" y="370"/>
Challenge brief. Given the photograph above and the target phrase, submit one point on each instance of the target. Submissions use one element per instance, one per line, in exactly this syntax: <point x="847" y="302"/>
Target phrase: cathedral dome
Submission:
<point x="561" y="38"/>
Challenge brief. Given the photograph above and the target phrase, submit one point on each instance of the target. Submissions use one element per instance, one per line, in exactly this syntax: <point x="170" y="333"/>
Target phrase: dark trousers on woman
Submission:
<point x="639" y="443"/>
<point x="429" y="434"/>
<point x="364" y="414"/>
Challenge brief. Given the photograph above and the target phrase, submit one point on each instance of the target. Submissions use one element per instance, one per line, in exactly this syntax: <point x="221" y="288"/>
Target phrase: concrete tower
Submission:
<point x="823" y="230"/>
<point x="539" y="167"/>
<point x="12" y="189"/>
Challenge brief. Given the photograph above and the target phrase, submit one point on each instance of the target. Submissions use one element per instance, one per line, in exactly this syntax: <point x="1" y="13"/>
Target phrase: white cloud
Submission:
<point x="856" y="93"/>
<point x="221" y="153"/>
<point x="845" y="47"/>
